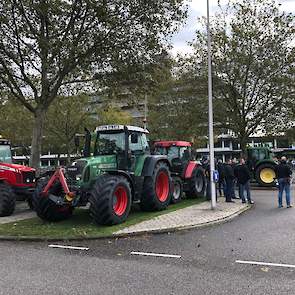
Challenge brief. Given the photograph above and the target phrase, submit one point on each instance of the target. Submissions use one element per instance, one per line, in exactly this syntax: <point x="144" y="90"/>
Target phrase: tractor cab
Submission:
<point x="179" y="153"/>
<point x="109" y="147"/>
<point x="5" y="151"/>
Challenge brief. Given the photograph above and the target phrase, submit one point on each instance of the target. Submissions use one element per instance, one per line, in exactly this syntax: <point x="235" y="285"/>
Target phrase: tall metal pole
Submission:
<point x="210" y="114"/>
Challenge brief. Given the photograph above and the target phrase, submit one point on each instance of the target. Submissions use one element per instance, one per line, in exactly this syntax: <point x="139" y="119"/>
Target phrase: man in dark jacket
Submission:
<point x="243" y="177"/>
<point x="221" y="181"/>
<point x="284" y="173"/>
<point x="229" y="179"/>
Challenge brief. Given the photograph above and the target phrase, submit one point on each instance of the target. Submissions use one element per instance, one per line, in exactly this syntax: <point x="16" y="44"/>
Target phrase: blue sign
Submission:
<point x="215" y="176"/>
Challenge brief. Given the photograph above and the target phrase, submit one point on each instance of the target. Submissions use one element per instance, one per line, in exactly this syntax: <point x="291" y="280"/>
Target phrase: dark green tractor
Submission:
<point x="117" y="170"/>
<point x="260" y="162"/>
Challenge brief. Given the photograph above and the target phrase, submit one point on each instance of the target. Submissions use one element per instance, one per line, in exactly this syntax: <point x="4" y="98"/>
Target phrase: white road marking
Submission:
<point x="68" y="247"/>
<point x="155" y="254"/>
<point x="265" y="263"/>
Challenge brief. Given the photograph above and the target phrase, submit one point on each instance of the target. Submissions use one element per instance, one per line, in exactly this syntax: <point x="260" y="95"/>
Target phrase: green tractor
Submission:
<point x="116" y="170"/>
<point x="260" y="162"/>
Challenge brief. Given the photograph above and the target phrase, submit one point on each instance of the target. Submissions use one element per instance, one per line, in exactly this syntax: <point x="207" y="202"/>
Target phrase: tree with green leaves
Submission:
<point x="113" y="115"/>
<point x="252" y="58"/>
<point x="47" y="46"/>
<point x="66" y="117"/>
<point x="16" y="124"/>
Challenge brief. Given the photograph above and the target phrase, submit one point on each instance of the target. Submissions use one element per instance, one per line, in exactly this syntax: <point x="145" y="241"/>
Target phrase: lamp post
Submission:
<point x="210" y="114"/>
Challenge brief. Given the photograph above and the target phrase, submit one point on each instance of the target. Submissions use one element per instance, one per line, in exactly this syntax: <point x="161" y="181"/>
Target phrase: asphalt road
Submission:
<point x="207" y="264"/>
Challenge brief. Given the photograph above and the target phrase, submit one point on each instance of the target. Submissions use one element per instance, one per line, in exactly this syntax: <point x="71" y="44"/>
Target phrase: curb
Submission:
<point x="124" y="235"/>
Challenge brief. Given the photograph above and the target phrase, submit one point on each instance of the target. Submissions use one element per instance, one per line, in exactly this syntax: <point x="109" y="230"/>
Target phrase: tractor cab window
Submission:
<point x="184" y="153"/>
<point x="138" y="142"/>
<point x="144" y="142"/>
<point x="262" y="155"/>
<point x="109" y="143"/>
<point x="5" y="154"/>
<point x="173" y="152"/>
<point x="159" y="150"/>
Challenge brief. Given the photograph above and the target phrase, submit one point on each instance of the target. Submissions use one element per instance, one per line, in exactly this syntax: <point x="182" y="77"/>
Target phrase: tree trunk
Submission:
<point x="39" y="117"/>
<point x="68" y="153"/>
<point x="243" y="146"/>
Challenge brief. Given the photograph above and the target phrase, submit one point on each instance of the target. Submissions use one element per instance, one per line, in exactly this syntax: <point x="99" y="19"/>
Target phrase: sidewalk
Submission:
<point x="21" y="212"/>
<point x="193" y="216"/>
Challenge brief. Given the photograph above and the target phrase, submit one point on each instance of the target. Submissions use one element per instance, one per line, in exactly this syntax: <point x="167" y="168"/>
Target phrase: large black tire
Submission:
<point x="197" y="184"/>
<point x="265" y="174"/>
<point x="110" y="200"/>
<point x="7" y="200"/>
<point x="177" y="190"/>
<point x="45" y="208"/>
<point x="156" y="193"/>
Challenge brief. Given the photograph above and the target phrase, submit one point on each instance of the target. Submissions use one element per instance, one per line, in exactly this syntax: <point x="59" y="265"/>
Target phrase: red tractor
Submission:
<point x="188" y="175"/>
<point x="17" y="182"/>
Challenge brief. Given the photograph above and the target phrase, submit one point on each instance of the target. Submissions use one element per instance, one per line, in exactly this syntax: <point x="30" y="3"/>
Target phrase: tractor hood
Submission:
<point x="16" y="167"/>
<point x="101" y="162"/>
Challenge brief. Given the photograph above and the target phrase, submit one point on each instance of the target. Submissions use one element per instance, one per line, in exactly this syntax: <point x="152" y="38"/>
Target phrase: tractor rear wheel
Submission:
<point x="197" y="184"/>
<point x="265" y="174"/>
<point x="156" y="193"/>
<point x="177" y="190"/>
<point x="7" y="200"/>
<point x="110" y="200"/>
<point x="45" y="208"/>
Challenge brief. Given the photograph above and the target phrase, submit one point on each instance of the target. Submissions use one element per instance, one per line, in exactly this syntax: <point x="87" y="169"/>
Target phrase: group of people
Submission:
<point x="232" y="174"/>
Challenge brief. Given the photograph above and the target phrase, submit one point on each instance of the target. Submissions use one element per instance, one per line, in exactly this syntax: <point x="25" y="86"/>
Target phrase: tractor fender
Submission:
<point x="265" y="162"/>
<point x="189" y="169"/>
<point x="126" y="175"/>
<point x="150" y="163"/>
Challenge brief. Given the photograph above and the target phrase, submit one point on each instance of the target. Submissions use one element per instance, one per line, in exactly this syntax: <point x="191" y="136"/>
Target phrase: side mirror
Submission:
<point x="134" y="138"/>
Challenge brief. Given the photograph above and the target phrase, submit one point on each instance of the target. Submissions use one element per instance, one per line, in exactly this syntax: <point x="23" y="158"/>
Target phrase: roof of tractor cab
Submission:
<point x="120" y="127"/>
<point x="172" y="143"/>
<point x="4" y="141"/>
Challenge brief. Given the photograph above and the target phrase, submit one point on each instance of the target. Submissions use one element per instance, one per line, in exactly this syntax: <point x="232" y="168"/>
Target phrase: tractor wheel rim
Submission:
<point x="120" y="200"/>
<point x="199" y="184"/>
<point x="162" y="186"/>
<point x="176" y="191"/>
<point x="267" y="175"/>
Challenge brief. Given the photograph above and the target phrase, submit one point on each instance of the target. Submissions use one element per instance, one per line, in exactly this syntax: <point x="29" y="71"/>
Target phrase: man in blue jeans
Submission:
<point x="243" y="177"/>
<point x="284" y="173"/>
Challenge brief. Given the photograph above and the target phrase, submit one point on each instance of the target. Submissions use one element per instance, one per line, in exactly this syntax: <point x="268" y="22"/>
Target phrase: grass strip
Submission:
<point x="81" y="225"/>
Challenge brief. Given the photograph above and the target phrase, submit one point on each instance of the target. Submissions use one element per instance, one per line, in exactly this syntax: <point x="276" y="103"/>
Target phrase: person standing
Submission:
<point x="243" y="177"/>
<point x="221" y="181"/>
<point x="234" y="164"/>
<point x="229" y="180"/>
<point x="283" y="174"/>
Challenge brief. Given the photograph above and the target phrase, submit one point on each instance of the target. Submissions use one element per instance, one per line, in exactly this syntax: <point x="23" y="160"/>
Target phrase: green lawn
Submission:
<point x="80" y="225"/>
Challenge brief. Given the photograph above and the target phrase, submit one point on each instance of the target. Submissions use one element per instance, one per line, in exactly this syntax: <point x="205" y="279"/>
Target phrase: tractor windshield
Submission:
<point x="109" y="143"/>
<point x="5" y="154"/>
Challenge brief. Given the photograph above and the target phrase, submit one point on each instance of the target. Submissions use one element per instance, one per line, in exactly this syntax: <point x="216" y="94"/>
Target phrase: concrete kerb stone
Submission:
<point x="130" y="234"/>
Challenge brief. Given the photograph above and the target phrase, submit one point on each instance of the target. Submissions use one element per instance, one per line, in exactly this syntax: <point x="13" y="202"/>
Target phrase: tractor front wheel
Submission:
<point x="157" y="189"/>
<point x="197" y="184"/>
<point x="45" y="208"/>
<point x="177" y="190"/>
<point x="7" y="200"/>
<point x="110" y="200"/>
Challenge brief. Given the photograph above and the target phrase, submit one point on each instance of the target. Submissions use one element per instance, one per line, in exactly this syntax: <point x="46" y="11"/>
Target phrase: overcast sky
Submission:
<point x="199" y="8"/>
